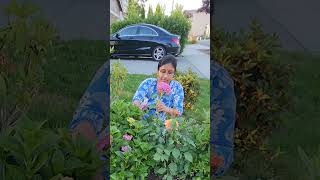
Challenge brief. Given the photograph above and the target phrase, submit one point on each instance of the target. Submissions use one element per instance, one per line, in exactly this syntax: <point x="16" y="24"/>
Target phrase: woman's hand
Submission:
<point x="216" y="162"/>
<point x="161" y="107"/>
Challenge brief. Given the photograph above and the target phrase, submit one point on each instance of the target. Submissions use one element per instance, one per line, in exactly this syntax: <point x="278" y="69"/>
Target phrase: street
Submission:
<point x="195" y="56"/>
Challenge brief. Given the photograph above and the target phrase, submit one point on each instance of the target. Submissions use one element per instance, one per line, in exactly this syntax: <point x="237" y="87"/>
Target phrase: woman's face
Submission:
<point x="165" y="73"/>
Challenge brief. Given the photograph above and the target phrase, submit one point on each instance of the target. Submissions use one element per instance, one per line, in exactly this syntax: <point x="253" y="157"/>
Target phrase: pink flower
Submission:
<point x="127" y="137"/>
<point x="125" y="148"/>
<point x="163" y="87"/>
<point x="144" y="105"/>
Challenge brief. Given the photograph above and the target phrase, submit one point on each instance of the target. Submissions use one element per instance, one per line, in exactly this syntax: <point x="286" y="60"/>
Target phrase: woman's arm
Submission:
<point x="141" y="92"/>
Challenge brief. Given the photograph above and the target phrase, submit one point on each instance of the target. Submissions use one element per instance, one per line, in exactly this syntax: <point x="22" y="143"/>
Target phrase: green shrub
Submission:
<point x="260" y="82"/>
<point x="191" y="87"/>
<point x="31" y="152"/>
<point x="24" y="43"/>
<point x="180" y="153"/>
<point x="117" y="77"/>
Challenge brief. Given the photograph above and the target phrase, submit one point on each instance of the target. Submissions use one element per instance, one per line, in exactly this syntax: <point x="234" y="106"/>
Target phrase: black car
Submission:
<point x="144" y="40"/>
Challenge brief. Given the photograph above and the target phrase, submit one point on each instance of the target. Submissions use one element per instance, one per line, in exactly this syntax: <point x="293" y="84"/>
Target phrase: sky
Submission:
<point x="187" y="4"/>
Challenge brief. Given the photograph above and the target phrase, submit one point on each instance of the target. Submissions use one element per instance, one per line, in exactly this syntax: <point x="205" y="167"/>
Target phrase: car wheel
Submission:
<point x="158" y="53"/>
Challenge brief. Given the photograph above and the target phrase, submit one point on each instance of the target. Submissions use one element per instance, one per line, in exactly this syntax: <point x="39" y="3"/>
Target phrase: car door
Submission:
<point x="146" y="40"/>
<point x="124" y="44"/>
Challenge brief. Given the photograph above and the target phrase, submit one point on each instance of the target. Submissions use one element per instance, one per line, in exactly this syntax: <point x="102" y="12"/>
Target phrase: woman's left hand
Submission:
<point x="161" y="107"/>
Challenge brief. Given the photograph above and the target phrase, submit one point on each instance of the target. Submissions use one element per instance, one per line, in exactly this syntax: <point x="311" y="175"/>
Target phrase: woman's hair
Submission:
<point x="168" y="59"/>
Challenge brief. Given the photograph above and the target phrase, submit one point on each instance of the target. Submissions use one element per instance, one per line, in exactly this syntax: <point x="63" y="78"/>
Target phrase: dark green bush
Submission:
<point x="260" y="82"/>
<point x="32" y="152"/>
<point x="24" y="43"/>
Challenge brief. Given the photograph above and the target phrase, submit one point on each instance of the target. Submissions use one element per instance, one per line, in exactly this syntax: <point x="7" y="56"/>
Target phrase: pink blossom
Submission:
<point x="127" y="137"/>
<point x="164" y="87"/>
<point x="125" y="148"/>
<point x="144" y="105"/>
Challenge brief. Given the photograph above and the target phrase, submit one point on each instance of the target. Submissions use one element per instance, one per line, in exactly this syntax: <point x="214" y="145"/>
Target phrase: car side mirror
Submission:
<point x="117" y="36"/>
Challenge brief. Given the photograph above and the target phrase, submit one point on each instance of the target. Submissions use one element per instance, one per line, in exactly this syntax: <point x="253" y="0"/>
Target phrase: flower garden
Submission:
<point x="177" y="148"/>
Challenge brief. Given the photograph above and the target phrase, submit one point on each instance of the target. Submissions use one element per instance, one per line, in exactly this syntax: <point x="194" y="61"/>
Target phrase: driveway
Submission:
<point x="194" y="56"/>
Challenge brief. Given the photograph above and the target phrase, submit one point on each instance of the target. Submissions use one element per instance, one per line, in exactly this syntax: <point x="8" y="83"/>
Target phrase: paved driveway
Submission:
<point x="194" y="56"/>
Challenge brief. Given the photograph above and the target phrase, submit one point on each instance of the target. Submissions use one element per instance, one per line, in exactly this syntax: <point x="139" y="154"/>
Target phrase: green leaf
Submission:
<point x="159" y="150"/>
<point x="173" y="168"/>
<point x="169" y="177"/>
<point x="157" y="157"/>
<point x="175" y="153"/>
<point x="186" y="168"/>
<point x="161" y="170"/>
<point x="188" y="156"/>
<point x="167" y="152"/>
<point x="58" y="161"/>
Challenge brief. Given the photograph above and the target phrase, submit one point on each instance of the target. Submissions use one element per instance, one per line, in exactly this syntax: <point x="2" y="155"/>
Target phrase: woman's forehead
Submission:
<point x="167" y="66"/>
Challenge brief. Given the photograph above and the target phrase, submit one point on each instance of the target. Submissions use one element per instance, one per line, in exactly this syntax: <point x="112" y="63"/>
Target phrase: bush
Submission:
<point x="24" y="44"/>
<point x="181" y="152"/>
<point x="117" y="77"/>
<point x="260" y="82"/>
<point x="191" y="87"/>
<point x="32" y="152"/>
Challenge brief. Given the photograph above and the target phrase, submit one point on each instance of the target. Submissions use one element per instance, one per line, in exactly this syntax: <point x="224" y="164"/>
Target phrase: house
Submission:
<point x="200" y="24"/>
<point x="117" y="10"/>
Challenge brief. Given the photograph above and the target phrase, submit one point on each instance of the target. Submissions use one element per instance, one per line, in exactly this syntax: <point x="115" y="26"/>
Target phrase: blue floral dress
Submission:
<point x="223" y="115"/>
<point x="148" y="92"/>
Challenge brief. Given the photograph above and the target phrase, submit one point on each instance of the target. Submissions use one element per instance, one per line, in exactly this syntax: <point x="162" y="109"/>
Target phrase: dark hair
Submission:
<point x="168" y="59"/>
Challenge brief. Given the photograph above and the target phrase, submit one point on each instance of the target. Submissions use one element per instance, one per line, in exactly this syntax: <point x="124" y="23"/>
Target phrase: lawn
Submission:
<point x="68" y="71"/>
<point x="301" y="121"/>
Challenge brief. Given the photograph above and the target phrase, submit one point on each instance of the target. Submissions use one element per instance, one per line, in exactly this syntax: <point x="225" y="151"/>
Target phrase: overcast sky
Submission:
<point x="187" y="4"/>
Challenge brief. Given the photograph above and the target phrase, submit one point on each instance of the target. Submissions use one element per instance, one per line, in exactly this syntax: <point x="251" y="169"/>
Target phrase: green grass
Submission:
<point x="301" y="120"/>
<point x="68" y="71"/>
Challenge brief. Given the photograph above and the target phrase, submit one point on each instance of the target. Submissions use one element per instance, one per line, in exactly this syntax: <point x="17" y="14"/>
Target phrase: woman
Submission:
<point x="149" y="95"/>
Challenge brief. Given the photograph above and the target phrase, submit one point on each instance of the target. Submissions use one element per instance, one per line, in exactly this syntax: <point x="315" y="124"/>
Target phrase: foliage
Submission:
<point x="118" y="76"/>
<point x="32" y="152"/>
<point x="176" y="23"/>
<point x="260" y="83"/>
<point x="24" y="43"/>
<point x="134" y="10"/>
<point x="181" y="152"/>
<point x="191" y="87"/>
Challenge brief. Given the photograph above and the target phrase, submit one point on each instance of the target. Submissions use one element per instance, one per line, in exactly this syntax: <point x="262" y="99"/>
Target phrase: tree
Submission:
<point x="150" y="12"/>
<point x="133" y="10"/>
<point x="159" y="10"/>
<point x="205" y="7"/>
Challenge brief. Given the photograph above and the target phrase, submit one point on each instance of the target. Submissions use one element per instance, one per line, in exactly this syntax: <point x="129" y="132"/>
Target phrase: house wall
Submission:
<point x="200" y="24"/>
